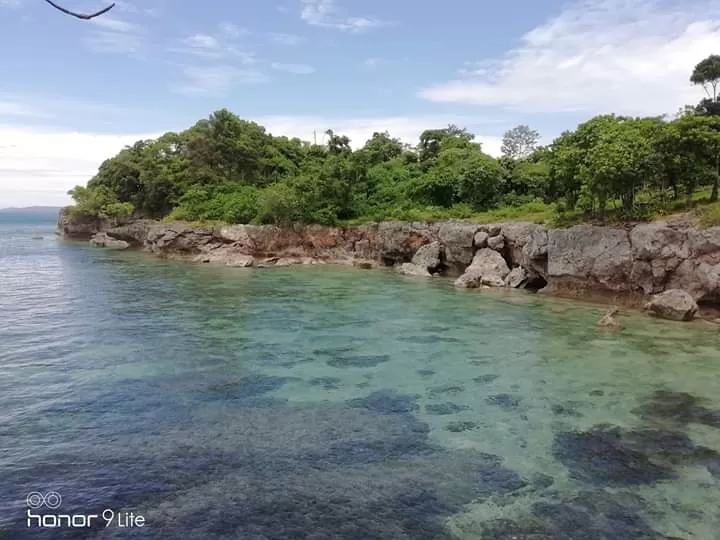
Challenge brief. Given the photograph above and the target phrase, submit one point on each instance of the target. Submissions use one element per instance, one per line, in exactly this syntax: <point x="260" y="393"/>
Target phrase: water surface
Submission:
<point x="333" y="403"/>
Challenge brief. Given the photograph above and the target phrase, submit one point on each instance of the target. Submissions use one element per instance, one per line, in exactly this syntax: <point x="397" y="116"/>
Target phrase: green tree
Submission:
<point x="519" y="142"/>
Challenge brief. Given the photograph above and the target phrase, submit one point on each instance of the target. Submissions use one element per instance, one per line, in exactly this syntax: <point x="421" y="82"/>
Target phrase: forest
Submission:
<point x="610" y="167"/>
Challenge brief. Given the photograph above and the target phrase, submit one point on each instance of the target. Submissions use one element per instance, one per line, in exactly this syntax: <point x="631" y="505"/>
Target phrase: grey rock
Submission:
<point x="517" y="277"/>
<point x="410" y="269"/>
<point x="492" y="229"/>
<point x="240" y="261"/>
<point x="429" y="256"/>
<point x="481" y="239"/>
<point x="457" y="238"/>
<point x="674" y="304"/>
<point x="488" y="268"/>
<point x="496" y="243"/>
<point x="599" y="256"/>
<point x="104" y="241"/>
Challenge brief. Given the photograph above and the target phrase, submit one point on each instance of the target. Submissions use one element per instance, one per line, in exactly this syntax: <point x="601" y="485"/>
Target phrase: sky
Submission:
<point x="73" y="93"/>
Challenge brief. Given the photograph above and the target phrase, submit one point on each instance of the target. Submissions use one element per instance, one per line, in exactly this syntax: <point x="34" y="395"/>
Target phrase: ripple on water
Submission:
<point x="337" y="403"/>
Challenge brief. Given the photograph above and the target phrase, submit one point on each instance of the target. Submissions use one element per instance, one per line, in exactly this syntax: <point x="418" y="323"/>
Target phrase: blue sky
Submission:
<point x="74" y="92"/>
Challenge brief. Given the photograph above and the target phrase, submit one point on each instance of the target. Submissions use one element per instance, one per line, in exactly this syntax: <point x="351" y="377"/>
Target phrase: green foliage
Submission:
<point x="99" y="202"/>
<point x="230" y="170"/>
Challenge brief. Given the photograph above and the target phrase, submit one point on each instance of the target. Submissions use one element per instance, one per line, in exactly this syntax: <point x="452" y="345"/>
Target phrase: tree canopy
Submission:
<point x="229" y="169"/>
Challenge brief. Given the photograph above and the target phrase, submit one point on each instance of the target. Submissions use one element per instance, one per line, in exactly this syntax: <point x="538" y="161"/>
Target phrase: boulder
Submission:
<point x="480" y="239"/>
<point x="410" y="269"/>
<point x="72" y="227"/>
<point x="492" y="229"/>
<point x="496" y="243"/>
<point x="429" y="256"/>
<point x="488" y="268"/>
<point x="458" y="239"/>
<point x="673" y="304"/>
<point x="104" y="241"/>
<point x="240" y="261"/>
<point x="517" y="277"/>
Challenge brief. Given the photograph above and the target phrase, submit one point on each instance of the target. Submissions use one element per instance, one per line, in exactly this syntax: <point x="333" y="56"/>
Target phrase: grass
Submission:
<point x="709" y="215"/>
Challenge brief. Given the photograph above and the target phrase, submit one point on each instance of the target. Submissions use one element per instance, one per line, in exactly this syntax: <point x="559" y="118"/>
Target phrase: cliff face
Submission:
<point x="78" y="228"/>
<point x="582" y="260"/>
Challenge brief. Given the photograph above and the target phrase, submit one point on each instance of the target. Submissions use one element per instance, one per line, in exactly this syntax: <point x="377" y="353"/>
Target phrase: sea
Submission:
<point x="146" y="398"/>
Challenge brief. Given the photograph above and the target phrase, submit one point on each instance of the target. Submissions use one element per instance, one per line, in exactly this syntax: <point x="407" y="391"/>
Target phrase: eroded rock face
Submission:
<point x="71" y="227"/>
<point x="598" y="256"/>
<point x="639" y="262"/>
<point x="488" y="268"/>
<point x="675" y="305"/>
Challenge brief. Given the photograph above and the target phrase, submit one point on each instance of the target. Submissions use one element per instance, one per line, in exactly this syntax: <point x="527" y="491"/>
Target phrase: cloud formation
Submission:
<point x="297" y="69"/>
<point x="625" y="56"/>
<point x="40" y="165"/>
<point x="326" y="14"/>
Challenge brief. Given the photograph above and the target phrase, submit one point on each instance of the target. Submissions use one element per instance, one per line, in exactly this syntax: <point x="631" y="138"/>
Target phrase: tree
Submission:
<point x="707" y="75"/>
<point x="519" y="142"/>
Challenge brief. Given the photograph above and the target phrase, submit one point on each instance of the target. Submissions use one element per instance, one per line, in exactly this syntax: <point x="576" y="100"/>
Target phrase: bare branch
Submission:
<point x="85" y="17"/>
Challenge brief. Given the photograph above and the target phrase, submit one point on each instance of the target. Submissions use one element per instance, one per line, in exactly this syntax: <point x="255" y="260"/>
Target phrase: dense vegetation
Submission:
<point x="227" y="169"/>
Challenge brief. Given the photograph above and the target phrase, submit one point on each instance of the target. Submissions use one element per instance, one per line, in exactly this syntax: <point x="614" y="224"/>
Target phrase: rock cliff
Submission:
<point x="630" y="265"/>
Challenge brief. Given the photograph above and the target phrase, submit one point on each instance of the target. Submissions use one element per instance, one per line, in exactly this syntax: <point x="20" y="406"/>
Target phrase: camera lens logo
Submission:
<point x="51" y="499"/>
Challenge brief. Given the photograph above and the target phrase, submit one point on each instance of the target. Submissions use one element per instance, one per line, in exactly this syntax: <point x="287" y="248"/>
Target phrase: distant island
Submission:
<point x="30" y="213"/>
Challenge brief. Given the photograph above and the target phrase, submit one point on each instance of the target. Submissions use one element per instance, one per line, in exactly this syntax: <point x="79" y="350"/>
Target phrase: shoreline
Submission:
<point x="605" y="266"/>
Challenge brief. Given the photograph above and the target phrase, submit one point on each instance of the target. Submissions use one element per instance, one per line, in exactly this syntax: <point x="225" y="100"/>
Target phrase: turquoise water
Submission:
<point x="333" y="403"/>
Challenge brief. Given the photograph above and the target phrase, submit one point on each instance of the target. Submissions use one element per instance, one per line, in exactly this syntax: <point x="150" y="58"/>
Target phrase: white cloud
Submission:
<point x="216" y="80"/>
<point x="220" y="45"/>
<point x="297" y="69"/>
<point x="13" y="4"/>
<point x="325" y="13"/>
<point x="40" y="165"/>
<point x="287" y="39"/>
<point x="359" y="130"/>
<point x="624" y="56"/>
<point x="112" y="35"/>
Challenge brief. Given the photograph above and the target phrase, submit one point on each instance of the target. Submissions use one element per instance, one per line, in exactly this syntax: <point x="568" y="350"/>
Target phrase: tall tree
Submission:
<point x="519" y="142"/>
<point x="707" y="75"/>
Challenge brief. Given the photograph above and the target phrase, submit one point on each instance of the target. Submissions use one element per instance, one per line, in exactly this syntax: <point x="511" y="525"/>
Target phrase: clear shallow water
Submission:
<point x="341" y="403"/>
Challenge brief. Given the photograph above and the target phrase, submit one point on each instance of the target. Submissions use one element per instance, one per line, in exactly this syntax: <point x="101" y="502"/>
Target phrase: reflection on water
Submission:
<point x="341" y="403"/>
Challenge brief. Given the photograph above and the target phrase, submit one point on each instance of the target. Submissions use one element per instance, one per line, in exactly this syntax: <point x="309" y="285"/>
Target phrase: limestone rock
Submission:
<point x="428" y="256"/>
<point x="492" y="229"/>
<point x="496" y="243"/>
<point x="72" y="227"/>
<point x="480" y="239"/>
<point x="599" y="256"/>
<point x="488" y="268"/>
<point x="457" y="238"/>
<point x="674" y="304"/>
<point x="240" y="261"/>
<point x="104" y="241"/>
<point x="411" y="269"/>
<point x="517" y="277"/>
<point x="398" y="241"/>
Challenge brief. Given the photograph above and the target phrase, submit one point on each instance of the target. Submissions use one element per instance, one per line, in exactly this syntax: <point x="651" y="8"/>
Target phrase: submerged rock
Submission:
<point x="675" y="305"/>
<point x="608" y="321"/>
<point x="410" y="269"/>
<point x="104" y="241"/>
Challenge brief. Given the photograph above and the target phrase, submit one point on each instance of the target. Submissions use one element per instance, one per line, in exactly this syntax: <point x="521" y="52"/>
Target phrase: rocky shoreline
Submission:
<point x="673" y="270"/>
